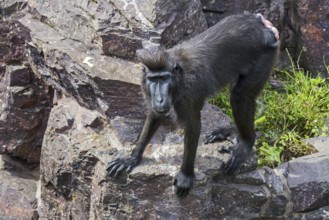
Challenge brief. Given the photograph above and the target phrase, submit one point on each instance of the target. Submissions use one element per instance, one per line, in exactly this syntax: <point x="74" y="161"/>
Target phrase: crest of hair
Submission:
<point x="154" y="58"/>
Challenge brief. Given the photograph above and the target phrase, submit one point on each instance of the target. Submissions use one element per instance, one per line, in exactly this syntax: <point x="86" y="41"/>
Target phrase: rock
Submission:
<point x="96" y="81"/>
<point x="67" y="170"/>
<point x="66" y="57"/>
<point x="246" y="201"/>
<point x="17" y="190"/>
<point x="121" y="27"/>
<point x="320" y="143"/>
<point x="25" y="100"/>
<point x="13" y="36"/>
<point x="75" y="155"/>
<point x="12" y="8"/>
<point x="322" y="213"/>
<point x="275" y="189"/>
<point x="279" y="204"/>
<point x="308" y="181"/>
<point x="217" y="10"/>
<point x="313" y="35"/>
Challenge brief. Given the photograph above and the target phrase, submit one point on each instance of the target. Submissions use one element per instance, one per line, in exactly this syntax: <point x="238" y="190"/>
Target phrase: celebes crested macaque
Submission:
<point x="239" y="50"/>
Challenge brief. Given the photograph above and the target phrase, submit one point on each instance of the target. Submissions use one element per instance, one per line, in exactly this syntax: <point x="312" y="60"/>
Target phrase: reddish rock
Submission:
<point x="313" y="20"/>
<point x="25" y="100"/>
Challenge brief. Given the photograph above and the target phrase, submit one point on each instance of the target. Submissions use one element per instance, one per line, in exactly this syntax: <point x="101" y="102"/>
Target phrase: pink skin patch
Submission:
<point x="269" y="25"/>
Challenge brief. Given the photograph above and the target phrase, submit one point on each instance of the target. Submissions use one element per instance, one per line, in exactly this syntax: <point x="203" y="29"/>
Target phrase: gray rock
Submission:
<point x="240" y="201"/>
<point x="274" y="185"/>
<point x="17" y="190"/>
<point x="75" y="155"/>
<point x="320" y="214"/>
<point x="308" y="180"/>
<point x="12" y="8"/>
<point x="279" y="204"/>
<point x="320" y="143"/>
<point x="121" y="27"/>
<point x="96" y="81"/>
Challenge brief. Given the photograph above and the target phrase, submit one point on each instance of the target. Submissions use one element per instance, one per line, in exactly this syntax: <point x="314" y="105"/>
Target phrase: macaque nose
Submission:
<point x="159" y="99"/>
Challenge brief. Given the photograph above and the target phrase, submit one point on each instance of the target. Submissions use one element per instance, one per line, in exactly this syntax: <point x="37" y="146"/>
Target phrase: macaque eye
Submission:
<point x="151" y="78"/>
<point x="177" y="67"/>
<point x="164" y="77"/>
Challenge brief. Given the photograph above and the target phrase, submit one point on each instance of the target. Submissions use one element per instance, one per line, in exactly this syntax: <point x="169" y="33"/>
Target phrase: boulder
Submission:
<point x="308" y="180"/>
<point x="25" y="100"/>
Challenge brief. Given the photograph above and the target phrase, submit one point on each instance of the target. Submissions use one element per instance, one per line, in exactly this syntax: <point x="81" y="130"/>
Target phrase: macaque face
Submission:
<point x="159" y="85"/>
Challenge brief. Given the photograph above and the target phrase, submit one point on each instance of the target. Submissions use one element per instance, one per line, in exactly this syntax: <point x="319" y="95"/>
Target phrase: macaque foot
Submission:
<point x="221" y="134"/>
<point x="182" y="184"/>
<point x="120" y="164"/>
<point x="239" y="154"/>
<point x="227" y="149"/>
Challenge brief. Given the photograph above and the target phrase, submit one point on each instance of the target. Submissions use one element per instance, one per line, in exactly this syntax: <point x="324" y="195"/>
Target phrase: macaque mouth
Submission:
<point x="161" y="110"/>
<point x="161" y="104"/>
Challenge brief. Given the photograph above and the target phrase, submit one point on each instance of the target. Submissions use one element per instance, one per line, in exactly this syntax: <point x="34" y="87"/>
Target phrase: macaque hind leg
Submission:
<point x="243" y="103"/>
<point x="243" y="107"/>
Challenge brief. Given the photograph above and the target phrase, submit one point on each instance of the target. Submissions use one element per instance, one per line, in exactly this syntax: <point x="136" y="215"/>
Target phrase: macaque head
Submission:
<point x="160" y="79"/>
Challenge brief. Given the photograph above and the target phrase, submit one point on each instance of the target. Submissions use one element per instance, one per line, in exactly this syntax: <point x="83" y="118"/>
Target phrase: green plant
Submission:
<point x="288" y="118"/>
<point x="222" y="100"/>
<point x="269" y="155"/>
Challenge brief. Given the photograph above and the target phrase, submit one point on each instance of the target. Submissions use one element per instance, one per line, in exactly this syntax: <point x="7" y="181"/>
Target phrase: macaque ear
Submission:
<point x="144" y="68"/>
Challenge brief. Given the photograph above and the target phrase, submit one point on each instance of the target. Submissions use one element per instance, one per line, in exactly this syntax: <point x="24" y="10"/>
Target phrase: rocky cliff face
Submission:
<point x="69" y="82"/>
